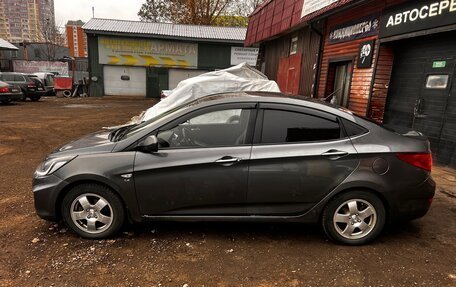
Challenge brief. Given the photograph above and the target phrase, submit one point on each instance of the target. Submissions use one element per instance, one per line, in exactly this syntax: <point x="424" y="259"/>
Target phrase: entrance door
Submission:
<point x="434" y="108"/>
<point x="422" y="94"/>
<point x="340" y="78"/>
<point x="124" y="81"/>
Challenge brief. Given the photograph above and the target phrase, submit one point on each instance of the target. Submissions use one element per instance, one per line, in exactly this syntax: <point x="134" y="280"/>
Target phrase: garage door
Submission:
<point x="124" y="81"/>
<point x="422" y="93"/>
<point x="178" y="75"/>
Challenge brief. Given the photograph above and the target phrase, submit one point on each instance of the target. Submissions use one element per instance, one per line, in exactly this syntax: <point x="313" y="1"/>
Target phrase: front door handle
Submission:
<point x="335" y="154"/>
<point x="228" y="160"/>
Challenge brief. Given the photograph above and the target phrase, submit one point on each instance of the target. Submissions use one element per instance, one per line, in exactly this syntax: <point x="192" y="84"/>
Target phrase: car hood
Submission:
<point x="97" y="142"/>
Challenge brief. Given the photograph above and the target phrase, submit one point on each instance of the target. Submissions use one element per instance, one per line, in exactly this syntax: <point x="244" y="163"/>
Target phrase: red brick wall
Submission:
<point x="361" y="78"/>
<point x="381" y="83"/>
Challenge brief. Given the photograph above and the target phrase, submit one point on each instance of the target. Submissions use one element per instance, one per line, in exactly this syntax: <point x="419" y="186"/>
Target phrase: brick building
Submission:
<point x="26" y="20"/>
<point x="391" y="60"/>
<point x="76" y="39"/>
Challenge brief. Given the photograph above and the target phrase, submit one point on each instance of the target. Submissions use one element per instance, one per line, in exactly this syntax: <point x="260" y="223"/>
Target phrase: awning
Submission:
<point x="5" y="45"/>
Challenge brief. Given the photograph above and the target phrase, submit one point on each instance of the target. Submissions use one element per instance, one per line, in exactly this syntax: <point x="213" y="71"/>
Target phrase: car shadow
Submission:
<point x="229" y="230"/>
<point x="11" y="104"/>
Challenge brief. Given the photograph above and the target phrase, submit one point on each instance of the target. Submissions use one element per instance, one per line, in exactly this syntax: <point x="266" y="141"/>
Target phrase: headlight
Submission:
<point x="51" y="165"/>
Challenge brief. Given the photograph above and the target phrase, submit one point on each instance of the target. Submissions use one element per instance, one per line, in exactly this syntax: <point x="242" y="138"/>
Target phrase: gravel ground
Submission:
<point x="39" y="253"/>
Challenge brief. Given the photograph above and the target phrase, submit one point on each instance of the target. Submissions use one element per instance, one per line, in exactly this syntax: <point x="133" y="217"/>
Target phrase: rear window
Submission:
<point x="19" y="78"/>
<point x="353" y="129"/>
<point x="7" y="78"/>
<point x="293" y="127"/>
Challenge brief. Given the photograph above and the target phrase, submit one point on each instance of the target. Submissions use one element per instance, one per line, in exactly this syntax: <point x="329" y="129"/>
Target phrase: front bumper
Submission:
<point x="45" y="192"/>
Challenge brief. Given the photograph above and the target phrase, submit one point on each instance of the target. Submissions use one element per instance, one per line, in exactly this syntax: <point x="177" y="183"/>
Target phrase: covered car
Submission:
<point x="240" y="78"/>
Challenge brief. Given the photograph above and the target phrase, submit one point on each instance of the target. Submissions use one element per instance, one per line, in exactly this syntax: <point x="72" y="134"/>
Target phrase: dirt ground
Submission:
<point x="39" y="253"/>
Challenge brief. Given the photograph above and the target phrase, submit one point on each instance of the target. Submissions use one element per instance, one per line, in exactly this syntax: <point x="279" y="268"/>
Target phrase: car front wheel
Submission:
<point x="93" y="211"/>
<point x="354" y="218"/>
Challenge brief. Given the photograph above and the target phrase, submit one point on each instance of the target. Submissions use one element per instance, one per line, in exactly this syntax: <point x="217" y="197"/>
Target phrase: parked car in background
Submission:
<point x="240" y="157"/>
<point x="9" y="93"/>
<point x="48" y="80"/>
<point x="30" y="88"/>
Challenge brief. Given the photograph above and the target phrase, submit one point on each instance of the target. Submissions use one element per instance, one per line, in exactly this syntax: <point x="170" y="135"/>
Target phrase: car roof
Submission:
<point x="13" y="73"/>
<point x="275" y="98"/>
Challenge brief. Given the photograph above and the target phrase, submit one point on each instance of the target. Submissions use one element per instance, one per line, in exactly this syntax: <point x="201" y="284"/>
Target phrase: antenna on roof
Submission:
<point x="93" y="11"/>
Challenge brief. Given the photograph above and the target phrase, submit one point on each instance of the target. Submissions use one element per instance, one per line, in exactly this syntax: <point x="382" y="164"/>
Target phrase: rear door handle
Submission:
<point x="335" y="154"/>
<point x="228" y="160"/>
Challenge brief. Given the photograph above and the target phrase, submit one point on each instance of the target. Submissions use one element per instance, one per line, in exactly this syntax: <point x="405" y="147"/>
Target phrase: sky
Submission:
<point x="82" y="9"/>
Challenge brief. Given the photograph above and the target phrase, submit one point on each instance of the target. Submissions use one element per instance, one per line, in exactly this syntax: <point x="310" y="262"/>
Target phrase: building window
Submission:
<point x="37" y="53"/>
<point x="294" y="45"/>
<point x="437" y="82"/>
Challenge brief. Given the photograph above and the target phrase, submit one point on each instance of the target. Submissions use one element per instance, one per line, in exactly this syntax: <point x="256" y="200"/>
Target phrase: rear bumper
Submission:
<point x="10" y="97"/>
<point x="36" y="93"/>
<point x="409" y="208"/>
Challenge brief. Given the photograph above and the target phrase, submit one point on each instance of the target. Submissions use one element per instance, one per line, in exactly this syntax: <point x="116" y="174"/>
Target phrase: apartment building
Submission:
<point x="26" y="20"/>
<point x="76" y="39"/>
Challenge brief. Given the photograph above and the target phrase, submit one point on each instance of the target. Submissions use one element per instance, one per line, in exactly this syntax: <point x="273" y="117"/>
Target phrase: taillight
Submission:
<point x="31" y="85"/>
<point x="421" y="160"/>
<point x="4" y="90"/>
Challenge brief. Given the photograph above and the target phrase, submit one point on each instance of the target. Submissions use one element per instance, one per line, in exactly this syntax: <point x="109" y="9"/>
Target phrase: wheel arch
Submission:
<point x="377" y="193"/>
<point x="79" y="182"/>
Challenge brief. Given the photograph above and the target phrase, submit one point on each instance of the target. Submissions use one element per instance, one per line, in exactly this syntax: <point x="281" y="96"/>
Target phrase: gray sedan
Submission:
<point x="240" y="157"/>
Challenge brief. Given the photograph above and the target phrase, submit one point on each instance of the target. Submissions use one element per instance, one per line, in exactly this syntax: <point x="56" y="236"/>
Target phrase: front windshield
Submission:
<point x="140" y="127"/>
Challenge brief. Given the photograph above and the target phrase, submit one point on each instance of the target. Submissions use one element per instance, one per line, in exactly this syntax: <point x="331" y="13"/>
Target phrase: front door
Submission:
<point x="298" y="157"/>
<point x="201" y="167"/>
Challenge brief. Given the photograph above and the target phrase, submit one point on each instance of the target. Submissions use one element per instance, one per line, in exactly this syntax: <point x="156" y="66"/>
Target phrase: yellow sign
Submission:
<point x="146" y="52"/>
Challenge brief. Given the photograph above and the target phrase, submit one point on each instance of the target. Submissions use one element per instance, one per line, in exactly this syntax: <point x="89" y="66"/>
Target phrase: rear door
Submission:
<point x="299" y="155"/>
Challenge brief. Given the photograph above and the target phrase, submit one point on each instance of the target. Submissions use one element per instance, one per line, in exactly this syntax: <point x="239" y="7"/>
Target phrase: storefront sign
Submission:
<point x="145" y="52"/>
<point x="240" y="55"/>
<point x="439" y="64"/>
<point x="30" y="67"/>
<point x="416" y="16"/>
<point x="311" y="6"/>
<point x="365" y="27"/>
<point x="366" y="54"/>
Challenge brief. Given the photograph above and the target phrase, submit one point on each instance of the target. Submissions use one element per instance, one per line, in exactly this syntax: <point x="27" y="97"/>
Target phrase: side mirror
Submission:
<point x="149" y="144"/>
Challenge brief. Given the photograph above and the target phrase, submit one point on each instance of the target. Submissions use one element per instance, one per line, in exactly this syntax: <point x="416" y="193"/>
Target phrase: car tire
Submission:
<point x="354" y="218"/>
<point x="24" y="96"/>
<point x="93" y="211"/>
<point x="35" y="98"/>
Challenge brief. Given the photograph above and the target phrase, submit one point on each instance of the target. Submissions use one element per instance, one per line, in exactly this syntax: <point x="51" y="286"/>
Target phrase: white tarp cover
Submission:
<point x="240" y="78"/>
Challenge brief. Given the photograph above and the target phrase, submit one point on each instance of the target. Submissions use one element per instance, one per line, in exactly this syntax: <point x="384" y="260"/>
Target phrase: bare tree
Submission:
<point x="53" y="39"/>
<point x="198" y="12"/>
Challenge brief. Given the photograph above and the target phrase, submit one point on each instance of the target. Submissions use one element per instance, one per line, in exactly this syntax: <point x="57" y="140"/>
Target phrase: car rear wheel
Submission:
<point x="93" y="211"/>
<point x="354" y="218"/>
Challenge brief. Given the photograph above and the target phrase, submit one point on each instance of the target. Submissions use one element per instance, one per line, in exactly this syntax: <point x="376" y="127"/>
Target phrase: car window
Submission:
<point x="353" y="129"/>
<point x="212" y="129"/>
<point x="218" y="117"/>
<point x="19" y="78"/>
<point x="49" y="80"/>
<point x="293" y="127"/>
<point x="8" y="78"/>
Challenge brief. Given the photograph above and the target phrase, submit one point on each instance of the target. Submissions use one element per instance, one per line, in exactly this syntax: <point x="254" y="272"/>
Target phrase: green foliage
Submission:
<point x="198" y="12"/>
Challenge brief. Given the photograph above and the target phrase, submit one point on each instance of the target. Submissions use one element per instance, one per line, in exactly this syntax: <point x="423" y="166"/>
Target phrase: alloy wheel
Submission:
<point x="355" y="219"/>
